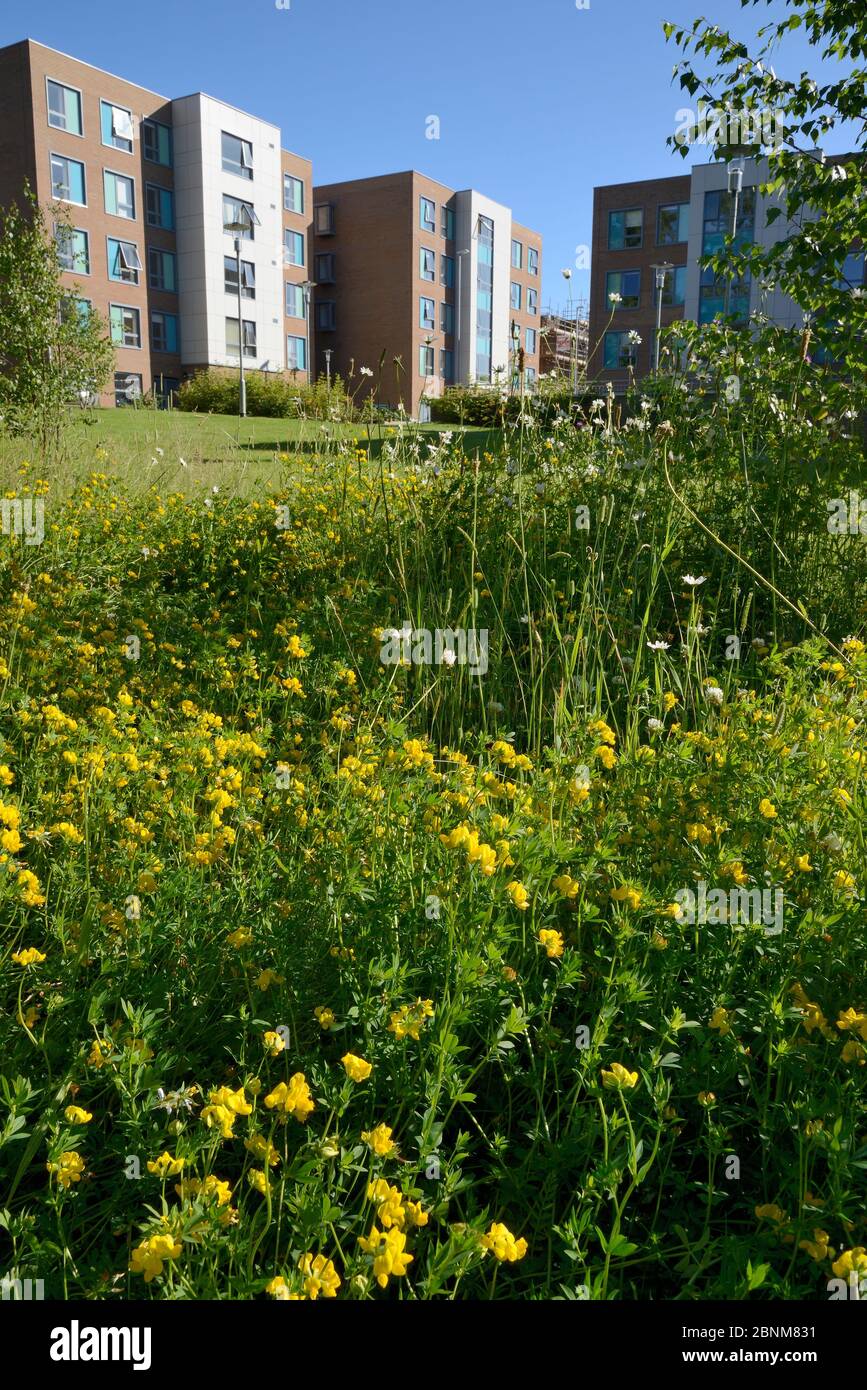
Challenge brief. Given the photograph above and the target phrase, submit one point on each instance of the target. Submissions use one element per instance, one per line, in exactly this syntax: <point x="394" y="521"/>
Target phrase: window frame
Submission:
<point x="325" y="277"/>
<point x="117" y="391"/>
<point x="129" y="178"/>
<point x="519" y="263"/>
<point x="429" y="227"/>
<point x="296" y="338"/>
<point x="331" y="306"/>
<point x="157" y="125"/>
<point x="429" y="356"/>
<point x="241" y="166"/>
<point x="298" y="238"/>
<point x="131" y="309"/>
<point x="666" y="207"/>
<point x="287" y="177"/>
<point x="428" y="324"/>
<point x="69" y="159"/>
<point x="166" y="314"/>
<point x="110" y="144"/>
<point x="631" y="307"/>
<point x="161" y="251"/>
<point x="67" y="86"/>
<point x="79" y="231"/>
<point x="622" y="212"/>
<point x="533" y="260"/>
<point x="290" y="285"/>
<point x="250" y="233"/>
<point x="424" y="251"/>
<point x="319" y="230"/>
<point x="120" y="242"/>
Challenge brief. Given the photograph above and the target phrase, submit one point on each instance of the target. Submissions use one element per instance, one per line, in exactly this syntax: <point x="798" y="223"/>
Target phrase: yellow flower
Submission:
<point x="409" y="1019"/>
<point x="320" y="1276"/>
<point x="843" y="881"/>
<point x="379" y="1140"/>
<point x="278" y="1288"/>
<point x="519" y="895"/>
<point x="242" y="937"/>
<point x="263" y="1149"/>
<point x="165" y="1166"/>
<point x="99" y="1051"/>
<point x="857" y="1022"/>
<point x="720" y="1020"/>
<point x="803" y="863"/>
<point x="566" y="886"/>
<point x="850" y="1261"/>
<point x="553" y="943"/>
<point x="502" y="1244"/>
<point x="294" y="1099"/>
<point x="274" y="1043"/>
<point x="606" y="756"/>
<point x="266" y="978"/>
<point x="618" y="1078"/>
<point x="149" y="1256"/>
<point x="771" y="1212"/>
<point x="669" y="700"/>
<point x="817" y="1248"/>
<point x="767" y="809"/>
<point x="258" y="1179"/>
<point x="69" y="1168"/>
<point x="388" y="1251"/>
<point x="707" y="1099"/>
<point x="356" y="1068"/>
<point x="630" y="896"/>
<point x="29" y="956"/>
<point x="76" y="1116"/>
<point x="325" y="1017"/>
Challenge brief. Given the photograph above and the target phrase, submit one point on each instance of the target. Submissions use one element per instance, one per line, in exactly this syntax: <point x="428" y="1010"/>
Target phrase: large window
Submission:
<point x="159" y="206"/>
<point x="516" y="294"/>
<point x="67" y="180"/>
<point x="530" y="341"/>
<point x="123" y="261"/>
<point x="323" y="219"/>
<point x="485" y="299"/>
<point x="447" y="271"/>
<point x="237" y="156"/>
<point x="619" y="350"/>
<point x="626" y="283"/>
<point x="127" y="388"/>
<point x="164" y="331"/>
<point x="325" y="268"/>
<point x="295" y="307"/>
<point x="426" y="360"/>
<point x="64" y="108"/>
<point x="717" y="225"/>
<point x="427" y="264"/>
<point x="162" y="270"/>
<point x="427" y="215"/>
<point x="447" y="318"/>
<point x="532" y="301"/>
<point x="532" y="260"/>
<point x="326" y="315"/>
<point x="73" y="249"/>
<point x="672" y="224"/>
<point x="625" y="229"/>
<point x="426" y="313"/>
<point x="675" y="288"/>
<point x="230" y="277"/>
<point x="235" y="212"/>
<point x="125" y="325"/>
<point x="293" y="193"/>
<point x="518" y="255"/>
<point x="249" y="336"/>
<point x="448" y="223"/>
<point x="294" y="244"/>
<point x="447" y="364"/>
<point x="156" y="140"/>
<point x="296" y="354"/>
<point x="116" y="126"/>
<point x="119" y="194"/>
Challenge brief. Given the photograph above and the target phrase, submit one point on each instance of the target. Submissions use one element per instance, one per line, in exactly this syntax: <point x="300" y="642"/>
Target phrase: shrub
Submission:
<point x="216" y="392"/>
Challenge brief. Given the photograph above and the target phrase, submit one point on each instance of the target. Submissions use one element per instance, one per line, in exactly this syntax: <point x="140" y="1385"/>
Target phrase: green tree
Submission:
<point x="52" y="351"/>
<point x="822" y="199"/>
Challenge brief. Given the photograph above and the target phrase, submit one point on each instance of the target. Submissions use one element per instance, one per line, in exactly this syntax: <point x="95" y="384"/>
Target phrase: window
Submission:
<point x="323" y="218"/>
<point x="249" y="332"/>
<point x="237" y="156"/>
<point x="73" y="249"/>
<point x="162" y="270"/>
<point x="532" y="301"/>
<point x="325" y="269"/>
<point x="294" y="243"/>
<point x="675" y="285"/>
<point x="718" y="295"/>
<point x="626" y="283"/>
<point x="156" y="140"/>
<point x="235" y="211"/>
<point x="619" y="351"/>
<point x="125" y="325"/>
<point x="447" y="271"/>
<point x="530" y="376"/>
<point x="71" y="308"/>
<point x="64" y="108"/>
<point x="296" y="354"/>
<point x="127" y="388"/>
<point x="160" y="206"/>
<point x="295" y="302"/>
<point x="326" y="315"/>
<point x="116" y="125"/>
<point x="518" y="255"/>
<point x="164" y="331"/>
<point x="166" y="389"/>
<point x="67" y="180"/>
<point x="427" y="215"/>
<point x="448" y="224"/>
<point x="230" y="277"/>
<point x="427" y="264"/>
<point x="485" y="298"/>
<point x="672" y="224"/>
<point x="447" y="318"/>
<point x="625" y="229"/>
<point x="293" y="193"/>
<point x="718" y="220"/>
<point x="425" y="360"/>
<point x="447" y="364"/>
<point x="532" y="260"/>
<point x="516" y="295"/>
<point x="119" y="194"/>
<point x="123" y="261"/>
<point x="530" y="340"/>
<point x="427" y="313"/>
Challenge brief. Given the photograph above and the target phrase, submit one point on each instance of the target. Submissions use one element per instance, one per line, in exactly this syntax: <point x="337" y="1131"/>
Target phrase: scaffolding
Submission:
<point x="564" y="341"/>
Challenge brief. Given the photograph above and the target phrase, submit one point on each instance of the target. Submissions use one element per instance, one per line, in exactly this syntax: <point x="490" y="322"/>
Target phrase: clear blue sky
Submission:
<point x="538" y="101"/>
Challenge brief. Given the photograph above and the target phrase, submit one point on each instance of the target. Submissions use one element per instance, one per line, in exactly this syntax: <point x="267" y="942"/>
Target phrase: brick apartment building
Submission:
<point x="439" y="286"/>
<point x="148" y="184"/>
<point x="563" y="346"/>
<point x="678" y="221"/>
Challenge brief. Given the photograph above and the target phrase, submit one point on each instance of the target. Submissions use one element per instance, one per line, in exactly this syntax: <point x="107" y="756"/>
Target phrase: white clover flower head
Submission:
<point x="365" y="371"/>
<point x="614" y="297"/>
<point x="449" y="656"/>
<point x="658" y="646"/>
<point x="714" y="694"/>
<point x="655" y="726"/>
<point x="693" y="580"/>
<point x="182" y="462"/>
<point x="633" y="337"/>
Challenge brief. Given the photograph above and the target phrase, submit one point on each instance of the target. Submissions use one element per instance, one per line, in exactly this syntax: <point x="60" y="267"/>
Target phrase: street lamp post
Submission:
<point x="736" y="182"/>
<point x="661" y="272"/>
<point x="328" y="352"/>
<point x="244" y="222"/>
<point x="307" y="287"/>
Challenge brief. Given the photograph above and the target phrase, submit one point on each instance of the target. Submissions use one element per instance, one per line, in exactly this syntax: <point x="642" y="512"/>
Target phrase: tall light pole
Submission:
<point x="661" y="272"/>
<point x="328" y="352"/>
<point x="245" y="221"/>
<point x="736" y="183"/>
<point x="307" y="287"/>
